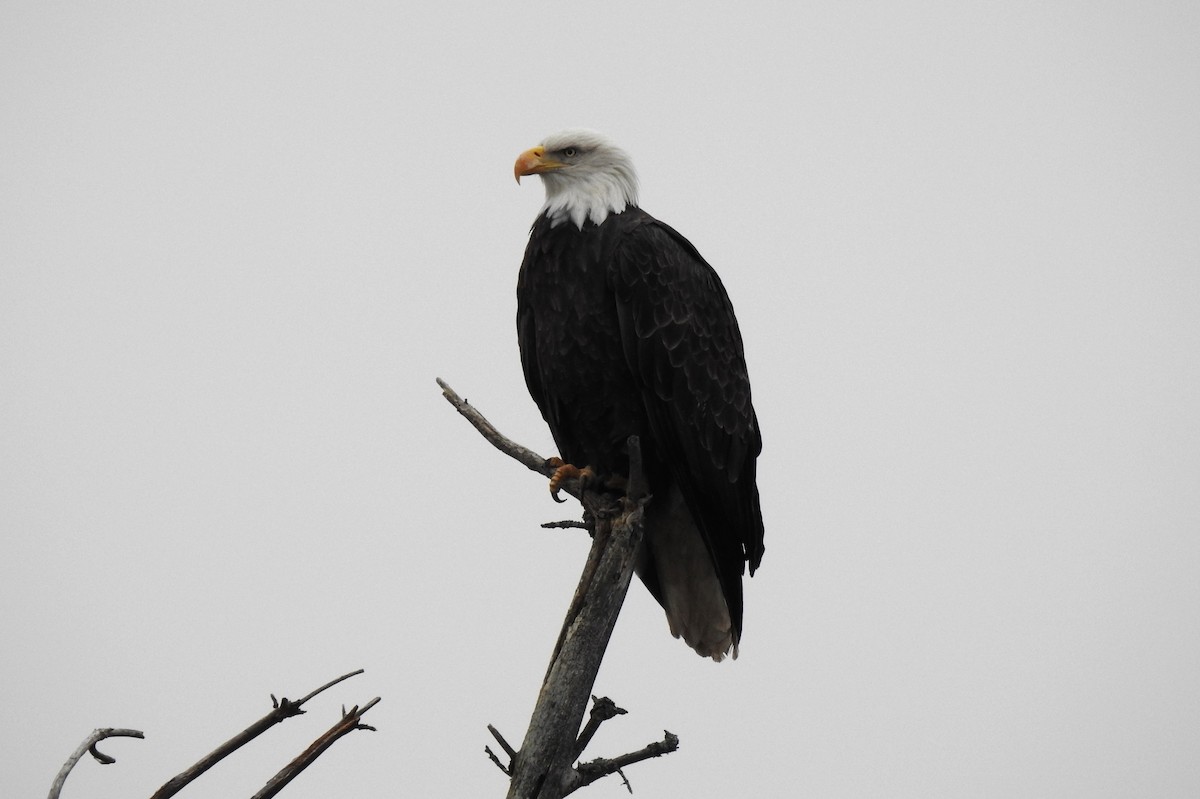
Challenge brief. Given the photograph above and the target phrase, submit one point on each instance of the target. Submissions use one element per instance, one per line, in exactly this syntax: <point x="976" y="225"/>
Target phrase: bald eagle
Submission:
<point x="625" y="330"/>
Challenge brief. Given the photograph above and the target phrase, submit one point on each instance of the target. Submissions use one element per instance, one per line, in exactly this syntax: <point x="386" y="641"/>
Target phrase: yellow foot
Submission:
<point x="566" y="471"/>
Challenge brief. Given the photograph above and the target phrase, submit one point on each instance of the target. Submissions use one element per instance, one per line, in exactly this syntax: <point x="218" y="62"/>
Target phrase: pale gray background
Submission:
<point x="238" y="242"/>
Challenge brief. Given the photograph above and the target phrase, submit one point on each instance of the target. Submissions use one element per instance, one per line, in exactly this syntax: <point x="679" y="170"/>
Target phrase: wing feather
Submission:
<point x="682" y="342"/>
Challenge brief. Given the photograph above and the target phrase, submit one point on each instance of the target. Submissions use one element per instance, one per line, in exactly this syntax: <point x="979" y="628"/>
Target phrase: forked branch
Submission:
<point x="542" y="769"/>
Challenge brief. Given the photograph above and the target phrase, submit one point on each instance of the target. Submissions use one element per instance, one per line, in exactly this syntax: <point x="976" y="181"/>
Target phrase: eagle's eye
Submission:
<point x="570" y="152"/>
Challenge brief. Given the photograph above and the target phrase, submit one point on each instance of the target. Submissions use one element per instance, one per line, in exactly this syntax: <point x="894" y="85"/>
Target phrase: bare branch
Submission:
<point x="506" y="445"/>
<point x="542" y="768"/>
<point x="89" y="745"/>
<point x="523" y="455"/>
<point x="327" y="686"/>
<point x="589" y="772"/>
<point x="503" y="743"/>
<point x="351" y="720"/>
<point x="603" y="709"/>
<point x="282" y="709"/>
<point x="512" y="754"/>
<point x="487" y="750"/>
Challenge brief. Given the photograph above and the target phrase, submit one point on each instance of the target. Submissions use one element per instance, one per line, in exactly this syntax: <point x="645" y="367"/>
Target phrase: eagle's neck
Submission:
<point x="589" y="196"/>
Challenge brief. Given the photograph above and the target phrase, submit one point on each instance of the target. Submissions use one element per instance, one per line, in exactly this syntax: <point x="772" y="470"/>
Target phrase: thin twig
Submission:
<point x="327" y="685"/>
<point x="89" y="745"/>
<point x="505" y="745"/>
<point x="281" y="709"/>
<point x="512" y="754"/>
<point x="487" y="750"/>
<point x="351" y="720"/>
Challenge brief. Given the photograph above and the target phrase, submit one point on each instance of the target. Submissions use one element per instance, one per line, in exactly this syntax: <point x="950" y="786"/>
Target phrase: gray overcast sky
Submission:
<point x="239" y="241"/>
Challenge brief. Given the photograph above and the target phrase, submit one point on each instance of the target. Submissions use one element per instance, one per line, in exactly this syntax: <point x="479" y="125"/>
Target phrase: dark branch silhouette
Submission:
<point x="351" y="720"/>
<point x="506" y="746"/>
<point x="282" y="709"/>
<point x="603" y="709"/>
<point x="593" y="770"/>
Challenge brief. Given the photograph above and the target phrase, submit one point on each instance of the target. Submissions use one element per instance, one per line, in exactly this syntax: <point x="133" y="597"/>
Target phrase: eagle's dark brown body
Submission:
<point x="624" y="329"/>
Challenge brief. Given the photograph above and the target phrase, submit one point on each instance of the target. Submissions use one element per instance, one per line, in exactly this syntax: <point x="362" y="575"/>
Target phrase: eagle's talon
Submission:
<point x="566" y="471"/>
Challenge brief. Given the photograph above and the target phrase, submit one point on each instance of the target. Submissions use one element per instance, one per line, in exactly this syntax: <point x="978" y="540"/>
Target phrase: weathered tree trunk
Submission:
<point x="543" y="766"/>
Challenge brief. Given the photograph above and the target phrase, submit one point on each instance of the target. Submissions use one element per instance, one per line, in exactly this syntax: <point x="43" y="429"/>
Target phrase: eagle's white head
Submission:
<point x="587" y="177"/>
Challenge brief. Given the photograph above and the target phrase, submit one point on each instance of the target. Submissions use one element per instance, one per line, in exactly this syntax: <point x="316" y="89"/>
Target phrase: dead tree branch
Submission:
<point x="351" y="720"/>
<point x="512" y="753"/>
<point x="282" y="709"/>
<point x="89" y="745"/>
<point x="543" y="765"/>
<point x="587" y="773"/>
<point x="542" y="768"/>
<point x="523" y="455"/>
<point x="603" y="709"/>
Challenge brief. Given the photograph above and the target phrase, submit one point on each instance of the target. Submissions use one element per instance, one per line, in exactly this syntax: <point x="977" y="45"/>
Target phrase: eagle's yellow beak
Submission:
<point x="533" y="161"/>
